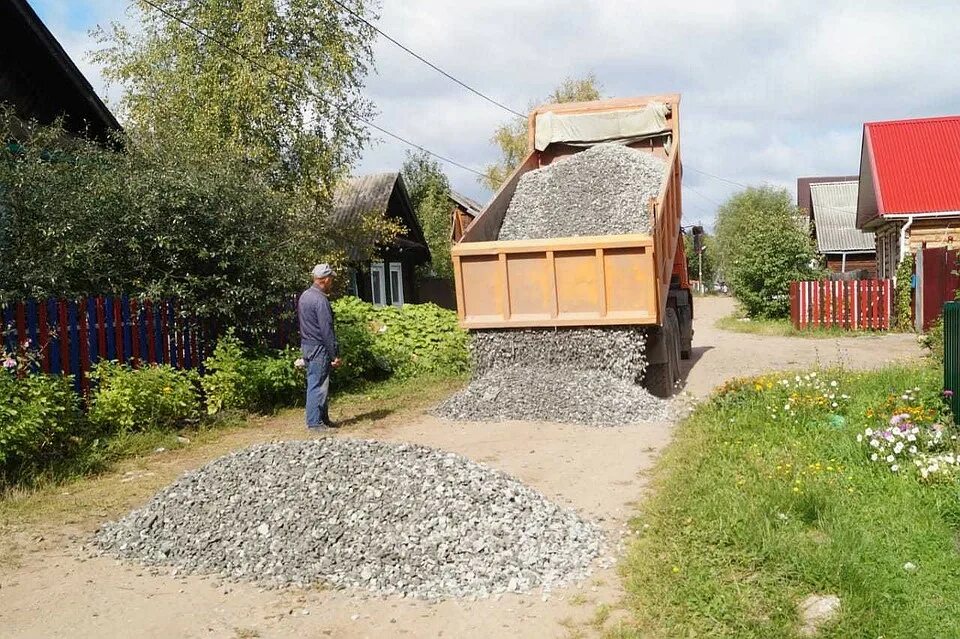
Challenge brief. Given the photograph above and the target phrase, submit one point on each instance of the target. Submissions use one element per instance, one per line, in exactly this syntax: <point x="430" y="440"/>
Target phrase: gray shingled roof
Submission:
<point x="835" y="218"/>
<point x="358" y="195"/>
<point x="471" y="205"/>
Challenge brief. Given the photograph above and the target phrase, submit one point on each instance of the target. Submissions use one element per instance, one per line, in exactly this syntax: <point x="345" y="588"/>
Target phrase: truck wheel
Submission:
<point x="686" y="332"/>
<point x="661" y="378"/>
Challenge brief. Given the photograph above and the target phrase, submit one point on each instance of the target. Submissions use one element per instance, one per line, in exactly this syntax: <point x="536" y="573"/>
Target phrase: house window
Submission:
<point x="396" y="284"/>
<point x="378" y="283"/>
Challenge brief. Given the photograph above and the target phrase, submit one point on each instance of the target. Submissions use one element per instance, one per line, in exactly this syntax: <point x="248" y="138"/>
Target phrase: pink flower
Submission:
<point x="9" y="363"/>
<point x="27" y="343"/>
<point x="948" y="393"/>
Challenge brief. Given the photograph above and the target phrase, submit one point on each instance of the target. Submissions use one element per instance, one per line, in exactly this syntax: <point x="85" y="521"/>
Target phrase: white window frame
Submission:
<point x="377" y="268"/>
<point x="396" y="292"/>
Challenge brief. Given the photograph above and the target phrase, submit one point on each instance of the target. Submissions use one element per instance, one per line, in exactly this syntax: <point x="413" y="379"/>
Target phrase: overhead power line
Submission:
<point x="304" y="87"/>
<point x="717" y="177"/>
<point x="428" y="63"/>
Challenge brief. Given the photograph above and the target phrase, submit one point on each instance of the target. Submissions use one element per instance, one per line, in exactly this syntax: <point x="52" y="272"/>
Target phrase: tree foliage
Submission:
<point x="77" y="219"/>
<point x="231" y="153"/>
<point x="429" y="192"/>
<point x="511" y="137"/>
<point x="276" y="85"/>
<point x="763" y="245"/>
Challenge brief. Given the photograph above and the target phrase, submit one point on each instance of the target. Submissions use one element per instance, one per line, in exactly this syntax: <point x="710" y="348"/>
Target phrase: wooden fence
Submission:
<point x="851" y="305"/>
<point x="70" y="336"/>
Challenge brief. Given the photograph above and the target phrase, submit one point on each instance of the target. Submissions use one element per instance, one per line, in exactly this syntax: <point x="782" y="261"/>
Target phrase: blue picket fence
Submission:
<point x="70" y="336"/>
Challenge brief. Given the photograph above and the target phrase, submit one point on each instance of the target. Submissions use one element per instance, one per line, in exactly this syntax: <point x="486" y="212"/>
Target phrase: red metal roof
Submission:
<point x="916" y="164"/>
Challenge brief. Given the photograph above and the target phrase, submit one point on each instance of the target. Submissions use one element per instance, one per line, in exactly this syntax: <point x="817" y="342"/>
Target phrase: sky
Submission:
<point x="771" y="90"/>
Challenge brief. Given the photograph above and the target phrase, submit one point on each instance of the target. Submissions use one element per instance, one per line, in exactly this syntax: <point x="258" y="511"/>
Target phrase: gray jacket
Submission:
<point x="316" y="324"/>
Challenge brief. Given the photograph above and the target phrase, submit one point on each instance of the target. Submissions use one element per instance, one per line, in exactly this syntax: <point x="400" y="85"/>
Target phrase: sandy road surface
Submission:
<point x="52" y="591"/>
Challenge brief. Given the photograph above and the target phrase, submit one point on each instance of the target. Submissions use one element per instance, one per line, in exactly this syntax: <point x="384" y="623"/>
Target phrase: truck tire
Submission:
<point x="661" y="378"/>
<point x="685" y="318"/>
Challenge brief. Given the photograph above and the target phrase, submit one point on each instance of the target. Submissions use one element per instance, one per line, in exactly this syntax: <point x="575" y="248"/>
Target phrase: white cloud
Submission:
<point x="771" y="90"/>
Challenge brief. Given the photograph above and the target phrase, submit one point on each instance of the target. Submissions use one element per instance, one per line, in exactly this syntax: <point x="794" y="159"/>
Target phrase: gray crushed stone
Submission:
<point x="563" y="395"/>
<point x="604" y="190"/>
<point x="619" y="351"/>
<point x="390" y="519"/>
<point x="577" y="375"/>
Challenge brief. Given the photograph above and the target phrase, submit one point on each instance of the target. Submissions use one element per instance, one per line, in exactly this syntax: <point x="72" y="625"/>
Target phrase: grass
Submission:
<point x="136" y="470"/>
<point x="743" y="525"/>
<point x="781" y="328"/>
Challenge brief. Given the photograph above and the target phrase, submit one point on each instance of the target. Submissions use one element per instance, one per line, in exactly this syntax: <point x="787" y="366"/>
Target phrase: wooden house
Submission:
<point x="391" y="278"/>
<point x="830" y="204"/>
<point x="40" y="81"/>
<point x="909" y="187"/>
<point x="463" y="210"/>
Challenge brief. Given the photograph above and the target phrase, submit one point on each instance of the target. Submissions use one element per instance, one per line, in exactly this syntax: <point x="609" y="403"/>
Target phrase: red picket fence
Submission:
<point x="70" y="336"/>
<point x="853" y="305"/>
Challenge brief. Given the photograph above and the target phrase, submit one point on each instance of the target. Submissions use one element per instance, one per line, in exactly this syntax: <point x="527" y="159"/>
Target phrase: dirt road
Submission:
<point x="52" y="590"/>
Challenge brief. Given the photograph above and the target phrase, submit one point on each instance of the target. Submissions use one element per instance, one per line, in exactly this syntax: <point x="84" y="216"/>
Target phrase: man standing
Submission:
<point x="318" y="343"/>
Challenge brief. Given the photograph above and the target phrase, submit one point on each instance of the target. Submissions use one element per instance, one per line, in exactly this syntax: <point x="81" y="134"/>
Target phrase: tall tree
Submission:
<point x="511" y="136"/>
<point x="277" y="83"/>
<point x="763" y="245"/>
<point x="429" y="192"/>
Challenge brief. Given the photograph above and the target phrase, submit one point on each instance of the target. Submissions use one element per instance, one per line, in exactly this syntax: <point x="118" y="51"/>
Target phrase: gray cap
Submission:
<point x="322" y="270"/>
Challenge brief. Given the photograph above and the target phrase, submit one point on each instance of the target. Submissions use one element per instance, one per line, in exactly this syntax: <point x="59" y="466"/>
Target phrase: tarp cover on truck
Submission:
<point x="627" y="125"/>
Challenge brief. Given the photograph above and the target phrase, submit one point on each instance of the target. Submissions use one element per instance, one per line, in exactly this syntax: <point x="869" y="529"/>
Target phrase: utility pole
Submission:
<point x="698" y="247"/>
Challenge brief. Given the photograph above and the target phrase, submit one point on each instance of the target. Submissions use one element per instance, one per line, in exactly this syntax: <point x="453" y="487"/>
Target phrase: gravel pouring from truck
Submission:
<point x="624" y="279"/>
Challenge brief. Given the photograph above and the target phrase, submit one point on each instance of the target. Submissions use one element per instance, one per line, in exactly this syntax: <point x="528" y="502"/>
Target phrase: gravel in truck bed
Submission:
<point x="604" y="190"/>
<point x="382" y="517"/>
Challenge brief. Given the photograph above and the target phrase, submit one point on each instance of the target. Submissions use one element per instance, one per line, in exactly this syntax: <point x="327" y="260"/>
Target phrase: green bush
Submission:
<point x="129" y="400"/>
<point x="764" y="245"/>
<point x="40" y="422"/>
<point x="275" y="381"/>
<point x="402" y="342"/>
<point x="420" y="339"/>
<point x="355" y="326"/>
<point x="902" y="295"/>
<point x="227" y="384"/>
<point x="238" y="380"/>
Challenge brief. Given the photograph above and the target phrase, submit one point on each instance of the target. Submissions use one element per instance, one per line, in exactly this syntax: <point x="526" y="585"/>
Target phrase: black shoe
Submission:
<point x="330" y="424"/>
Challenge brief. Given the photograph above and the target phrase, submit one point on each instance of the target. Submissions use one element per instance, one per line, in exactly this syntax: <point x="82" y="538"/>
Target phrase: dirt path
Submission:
<point x="54" y="592"/>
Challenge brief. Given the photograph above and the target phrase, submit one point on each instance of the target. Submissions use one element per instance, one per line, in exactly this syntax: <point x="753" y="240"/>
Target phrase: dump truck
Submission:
<point x="588" y="281"/>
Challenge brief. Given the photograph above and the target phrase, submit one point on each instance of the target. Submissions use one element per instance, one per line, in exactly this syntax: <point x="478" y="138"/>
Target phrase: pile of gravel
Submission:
<point x="562" y="395"/>
<point x="385" y="518"/>
<point x="604" y="190"/>
<point x="619" y="351"/>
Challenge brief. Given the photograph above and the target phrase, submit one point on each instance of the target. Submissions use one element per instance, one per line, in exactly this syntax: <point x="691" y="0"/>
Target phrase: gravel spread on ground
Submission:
<point x="562" y="395"/>
<point x="381" y="517"/>
<point x="604" y="190"/>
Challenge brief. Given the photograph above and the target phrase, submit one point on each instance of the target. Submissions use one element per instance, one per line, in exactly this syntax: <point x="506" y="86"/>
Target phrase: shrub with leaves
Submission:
<point x="403" y="342"/>
<point x="902" y="296"/>
<point x="227" y="384"/>
<point x="129" y="400"/>
<point x="40" y="419"/>
<point x="356" y="335"/>
<point x="275" y="381"/>
<point x="237" y="379"/>
<point x="420" y="339"/>
<point x="764" y="245"/>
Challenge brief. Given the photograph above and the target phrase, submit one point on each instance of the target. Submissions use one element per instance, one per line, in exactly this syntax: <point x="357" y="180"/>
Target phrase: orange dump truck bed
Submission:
<point x="578" y="281"/>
